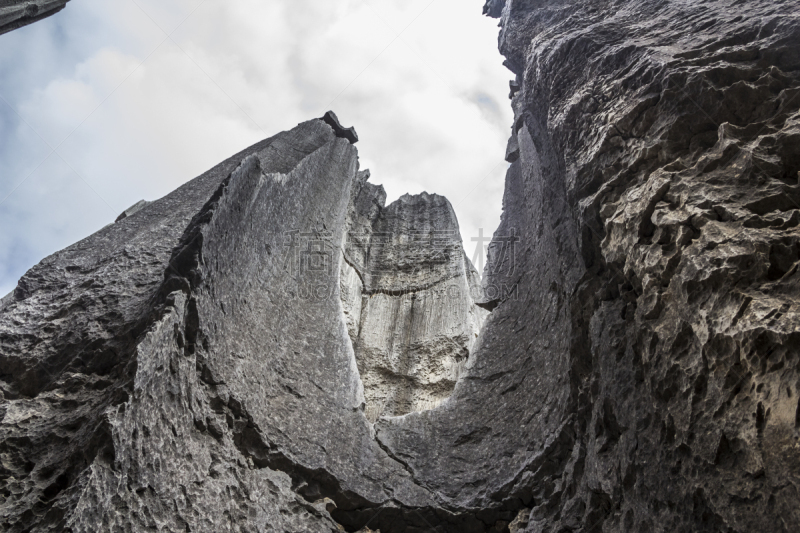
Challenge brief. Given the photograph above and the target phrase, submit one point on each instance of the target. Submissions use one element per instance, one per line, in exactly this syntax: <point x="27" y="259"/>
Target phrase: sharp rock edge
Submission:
<point x="227" y="358"/>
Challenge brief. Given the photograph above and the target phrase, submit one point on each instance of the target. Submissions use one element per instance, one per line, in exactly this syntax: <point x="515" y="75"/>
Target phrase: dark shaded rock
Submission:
<point x="512" y="150"/>
<point x="17" y="13"/>
<point x="332" y="120"/>
<point x="658" y="145"/>
<point x="494" y="8"/>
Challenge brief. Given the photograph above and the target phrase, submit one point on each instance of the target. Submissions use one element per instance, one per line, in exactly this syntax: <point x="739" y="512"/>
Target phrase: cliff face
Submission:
<point x="17" y="13"/>
<point x="272" y="348"/>
<point x="654" y="184"/>
<point x="193" y="365"/>
<point x="408" y="292"/>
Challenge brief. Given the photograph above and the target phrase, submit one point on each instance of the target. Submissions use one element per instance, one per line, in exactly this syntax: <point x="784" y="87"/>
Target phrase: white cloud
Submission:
<point x="429" y="104"/>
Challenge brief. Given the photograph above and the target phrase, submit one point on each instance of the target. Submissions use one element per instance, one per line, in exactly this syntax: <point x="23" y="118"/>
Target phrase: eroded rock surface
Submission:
<point x="409" y="293"/>
<point x="644" y="377"/>
<point x="191" y="366"/>
<point x="17" y="13"/>
<point x="640" y="369"/>
<point x="129" y="402"/>
<point x="215" y="360"/>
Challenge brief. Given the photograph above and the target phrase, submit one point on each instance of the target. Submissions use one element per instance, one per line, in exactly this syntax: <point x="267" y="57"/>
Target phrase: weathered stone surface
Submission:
<point x="102" y="409"/>
<point x="644" y="375"/>
<point x="8" y="298"/>
<point x="408" y="292"/>
<point x="493" y="8"/>
<point x="648" y="247"/>
<point x="113" y="404"/>
<point x="17" y="13"/>
<point x="191" y="366"/>
<point x="215" y="362"/>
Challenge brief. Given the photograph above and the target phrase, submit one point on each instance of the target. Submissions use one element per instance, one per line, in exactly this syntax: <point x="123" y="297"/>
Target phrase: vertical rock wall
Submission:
<point x="640" y="372"/>
<point x="409" y="301"/>
<point x="671" y="131"/>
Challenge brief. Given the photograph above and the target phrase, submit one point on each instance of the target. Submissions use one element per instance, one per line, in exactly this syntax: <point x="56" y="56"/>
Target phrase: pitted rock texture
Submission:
<point x="110" y="418"/>
<point x="656" y="191"/>
<point x="639" y="369"/>
<point x="191" y="366"/>
<point x="207" y="362"/>
<point x="408" y="295"/>
<point x="18" y="13"/>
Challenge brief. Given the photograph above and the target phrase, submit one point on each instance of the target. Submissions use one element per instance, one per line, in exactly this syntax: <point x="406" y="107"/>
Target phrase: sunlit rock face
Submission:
<point x="272" y="348"/>
<point x="17" y="13"/>
<point x="408" y="294"/>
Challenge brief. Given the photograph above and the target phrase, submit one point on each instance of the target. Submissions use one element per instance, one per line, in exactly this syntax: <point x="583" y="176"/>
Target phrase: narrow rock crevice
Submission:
<point x="272" y="346"/>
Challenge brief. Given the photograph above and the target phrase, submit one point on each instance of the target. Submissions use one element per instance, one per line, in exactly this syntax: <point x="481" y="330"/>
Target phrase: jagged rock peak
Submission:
<point x="332" y="120"/>
<point x="200" y="346"/>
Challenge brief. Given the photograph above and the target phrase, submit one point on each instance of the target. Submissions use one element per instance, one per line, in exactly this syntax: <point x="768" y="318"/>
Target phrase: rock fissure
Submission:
<point x="273" y="348"/>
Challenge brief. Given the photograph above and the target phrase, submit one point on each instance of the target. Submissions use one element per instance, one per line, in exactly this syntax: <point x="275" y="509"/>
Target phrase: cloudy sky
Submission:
<point x="107" y="103"/>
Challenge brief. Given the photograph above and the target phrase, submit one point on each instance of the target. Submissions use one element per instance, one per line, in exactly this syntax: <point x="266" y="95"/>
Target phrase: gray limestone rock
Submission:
<point x="17" y="13"/>
<point x="109" y="409"/>
<point x="8" y="298"/>
<point x="493" y="8"/>
<point x="653" y="387"/>
<point x="200" y="349"/>
<point x="640" y="372"/>
<point x="272" y="348"/>
<point x="408" y="294"/>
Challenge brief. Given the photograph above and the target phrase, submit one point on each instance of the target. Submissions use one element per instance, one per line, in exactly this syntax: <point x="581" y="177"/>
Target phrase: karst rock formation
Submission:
<point x="271" y="347"/>
<point x="17" y="13"/>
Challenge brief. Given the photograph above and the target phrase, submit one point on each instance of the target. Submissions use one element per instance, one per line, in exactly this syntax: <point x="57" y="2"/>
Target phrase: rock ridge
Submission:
<point x="132" y="363"/>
